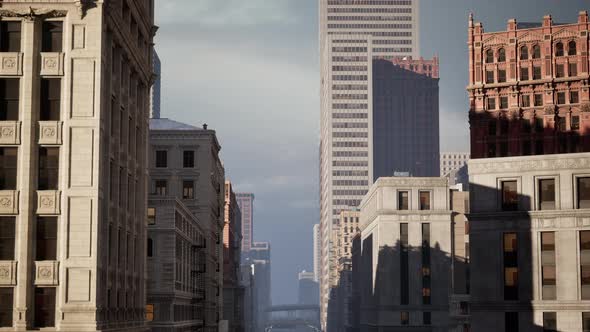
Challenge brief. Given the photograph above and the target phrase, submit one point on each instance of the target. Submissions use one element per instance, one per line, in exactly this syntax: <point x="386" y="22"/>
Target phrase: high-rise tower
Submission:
<point x="352" y="33"/>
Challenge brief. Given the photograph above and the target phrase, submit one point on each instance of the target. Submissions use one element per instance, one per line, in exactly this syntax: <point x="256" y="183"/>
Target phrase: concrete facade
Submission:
<point x="246" y="204"/>
<point x="405" y="267"/>
<point x="176" y="267"/>
<point x="527" y="88"/>
<point x="351" y="34"/>
<point x="260" y="259"/>
<point x="308" y="289"/>
<point x="233" y="292"/>
<point x="184" y="162"/>
<point x="72" y="193"/>
<point x="538" y="237"/>
<point x="316" y="252"/>
<point x="452" y="161"/>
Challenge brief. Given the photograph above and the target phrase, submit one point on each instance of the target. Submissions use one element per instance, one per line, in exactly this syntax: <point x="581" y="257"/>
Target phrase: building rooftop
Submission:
<point x="167" y="124"/>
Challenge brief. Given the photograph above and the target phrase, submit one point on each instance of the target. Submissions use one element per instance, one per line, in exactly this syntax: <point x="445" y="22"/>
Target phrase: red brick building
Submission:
<point x="528" y="88"/>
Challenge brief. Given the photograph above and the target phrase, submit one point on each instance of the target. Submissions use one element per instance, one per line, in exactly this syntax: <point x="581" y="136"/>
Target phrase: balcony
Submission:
<point x="52" y="64"/>
<point x="11" y="64"/>
<point x="9" y="132"/>
<point x="46" y="273"/>
<point x="48" y="202"/>
<point x="8" y="202"/>
<point x="7" y="273"/>
<point x="50" y="132"/>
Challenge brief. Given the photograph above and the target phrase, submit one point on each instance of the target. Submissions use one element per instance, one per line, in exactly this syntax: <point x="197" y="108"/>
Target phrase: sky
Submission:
<point x="250" y="70"/>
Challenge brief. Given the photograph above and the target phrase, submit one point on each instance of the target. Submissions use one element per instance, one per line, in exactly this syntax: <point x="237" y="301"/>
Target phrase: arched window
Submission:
<point x="489" y="56"/>
<point x="536" y="52"/>
<point x="501" y="55"/>
<point x="524" y="53"/>
<point x="559" y="49"/>
<point x="571" y="48"/>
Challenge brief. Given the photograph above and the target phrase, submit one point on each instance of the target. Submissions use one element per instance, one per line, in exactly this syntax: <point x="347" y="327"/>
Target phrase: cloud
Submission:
<point x="225" y="12"/>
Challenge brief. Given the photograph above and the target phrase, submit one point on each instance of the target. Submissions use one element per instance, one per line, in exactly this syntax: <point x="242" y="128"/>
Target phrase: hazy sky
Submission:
<point x="249" y="69"/>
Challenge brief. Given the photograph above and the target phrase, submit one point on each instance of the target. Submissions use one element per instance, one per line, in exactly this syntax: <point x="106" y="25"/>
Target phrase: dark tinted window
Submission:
<point x="511" y="322"/>
<point x="8" y="163"/>
<point x="6" y="306"/>
<point x="48" y="168"/>
<point x="10" y="36"/>
<point x="7" y="236"/>
<point x="402" y="200"/>
<point x="9" y="99"/>
<point x="44" y="307"/>
<point x="584" y="193"/>
<point x="52" y="36"/>
<point x="549" y="322"/>
<point x="425" y="200"/>
<point x="510" y="266"/>
<point x="509" y="196"/>
<point x="188" y="189"/>
<point x="547" y="194"/>
<point x="46" y="239"/>
<point x="161" y="158"/>
<point x="188" y="159"/>
<point x="50" y="99"/>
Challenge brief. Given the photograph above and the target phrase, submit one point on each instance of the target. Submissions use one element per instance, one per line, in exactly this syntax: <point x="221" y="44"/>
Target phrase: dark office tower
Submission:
<point x="405" y="117"/>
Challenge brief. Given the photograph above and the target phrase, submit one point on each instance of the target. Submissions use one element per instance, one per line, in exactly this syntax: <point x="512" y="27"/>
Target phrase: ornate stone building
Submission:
<point x="184" y="163"/>
<point x="528" y="88"/>
<point x="74" y="96"/>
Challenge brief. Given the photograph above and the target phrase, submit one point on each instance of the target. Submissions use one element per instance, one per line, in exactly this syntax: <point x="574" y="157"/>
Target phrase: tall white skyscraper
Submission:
<point x="352" y="34"/>
<point x="316" y="252"/>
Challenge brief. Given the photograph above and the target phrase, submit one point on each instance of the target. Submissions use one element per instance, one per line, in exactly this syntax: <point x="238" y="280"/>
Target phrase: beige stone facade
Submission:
<point x="73" y="144"/>
<point x="530" y="243"/>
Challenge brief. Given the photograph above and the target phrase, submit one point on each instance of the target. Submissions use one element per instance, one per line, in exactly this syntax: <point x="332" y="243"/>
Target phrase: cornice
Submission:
<point x="573" y="161"/>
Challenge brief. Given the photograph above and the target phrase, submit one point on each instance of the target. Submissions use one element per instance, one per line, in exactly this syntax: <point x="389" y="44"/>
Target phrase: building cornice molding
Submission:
<point x="31" y="13"/>
<point x="574" y="161"/>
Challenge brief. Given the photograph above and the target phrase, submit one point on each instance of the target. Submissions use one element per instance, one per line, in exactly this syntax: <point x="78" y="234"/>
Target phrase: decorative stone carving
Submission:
<point x="8" y="202"/>
<point x="585" y="107"/>
<point x="9" y="132"/>
<point x="46" y="273"/>
<point x="52" y="64"/>
<point x="48" y="202"/>
<point x="50" y="132"/>
<point x="33" y="13"/>
<point x="8" y="273"/>
<point x="509" y="165"/>
<point x="549" y="110"/>
<point x="11" y="64"/>
<point x="84" y="5"/>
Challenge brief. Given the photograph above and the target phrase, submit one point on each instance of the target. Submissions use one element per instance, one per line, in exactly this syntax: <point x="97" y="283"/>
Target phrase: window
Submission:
<point x="503" y="103"/>
<point x="52" y="36"/>
<point x="583" y="194"/>
<point x="402" y="200"/>
<point x="501" y="55"/>
<point x="575" y="125"/>
<point x="50" y="99"/>
<point x="151" y="216"/>
<point x="188" y="159"/>
<point x="188" y="189"/>
<point x="7" y="237"/>
<point x="489" y="56"/>
<point x="571" y="48"/>
<point x="538" y="99"/>
<point x="44" y="307"/>
<point x="425" y="200"/>
<point x="548" y="273"/>
<point x="585" y="264"/>
<point x="149" y="312"/>
<point x="509" y="196"/>
<point x="9" y="99"/>
<point x="46" y="239"/>
<point x="536" y="72"/>
<point x="526" y="125"/>
<point x="559" y="49"/>
<point x="574" y="97"/>
<point x="8" y="162"/>
<point x="561" y="98"/>
<point x="510" y="266"/>
<point x="405" y="318"/>
<point x="427" y="318"/>
<point x="585" y="321"/>
<point x="161" y="158"/>
<point x="501" y="75"/>
<point x="559" y="70"/>
<point x="489" y="76"/>
<point x="524" y="74"/>
<point x="150" y="247"/>
<point x="549" y="322"/>
<point x="160" y="187"/>
<point x="491" y="103"/>
<point x="6" y="306"/>
<point x="10" y="36"/>
<point x="572" y="69"/>
<point x="526" y="101"/>
<point x="536" y="52"/>
<point x="511" y="322"/>
<point x="547" y="194"/>
<point x="539" y="125"/>
<point x="426" y="282"/>
<point x="561" y="125"/>
<point x="524" y="53"/>
<point x="48" y="168"/>
<point x="404" y="264"/>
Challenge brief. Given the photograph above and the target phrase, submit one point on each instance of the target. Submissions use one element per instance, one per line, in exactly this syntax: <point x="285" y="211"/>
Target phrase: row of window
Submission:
<point x="51" y="36"/>
<point x="45" y="244"/>
<point x="49" y="103"/>
<point x="511" y="322"/>
<point x="188" y="159"/>
<point x="349" y="68"/>
<point x="350" y="183"/>
<point x="349" y="49"/>
<point x="351" y="87"/>
<point x="393" y="49"/>
<point x="349" y="192"/>
<point x="347" y="163"/>
<point x="343" y="106"/>
<point x="350" y="154"/>
<point x="47" y="169"/>
<point x="392" y="42"/>
<point x="350" y="173"/>
<point x="350" y="135"/>
<point x="500" y="55"/>
<point x="369" y="26"/>
<point x="525" y="100"/>
<point x="369" y="18"/>
<point x="403" y="200"/>
<point x="370" y="2"/>
<point x="565" y="144"/>
<point x="374" y="33"/>
<point x="361" y="125"/>
<point x="545" y="194"/>
<point x="350" y="144"/>
<point x="43" y="307"/>
<point x="369" y="10"/>
<point x="548" y="265"/>
<point x="160" y="188"/>
<point x="525" y="73"/>
<point x="350" y="115"/>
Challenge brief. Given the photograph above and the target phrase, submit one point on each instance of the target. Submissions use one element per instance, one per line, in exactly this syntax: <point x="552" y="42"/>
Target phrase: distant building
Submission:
<point x="316" y="252"/>
<point x="233" y="292"/>
<point x="246" y="204"/>
<point x="308" y="290"/>
<point x="452" y="161"/>
<point x="250" y="308"/>
<point x="179" y="155"/>
<point x="156" y="90"/>
<point x="259" y="257"/>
